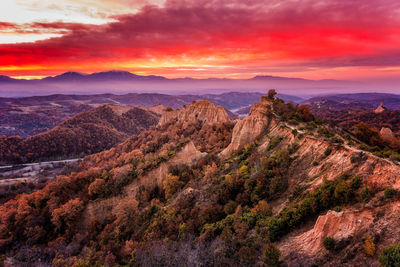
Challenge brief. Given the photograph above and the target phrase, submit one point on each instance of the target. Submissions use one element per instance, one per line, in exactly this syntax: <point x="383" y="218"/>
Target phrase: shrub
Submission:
<point x="337" y="140"/>
<point x="275" y="228"/>
<point x="67" y="214"/>
<point x="271" y="94"/>
<point x="324" y="197"/>
<point x="229" y="180"/>
<point x="369" y="246"/>
<point x="271" y="255"/>
<point x="230" y="207"/>
<point x="244" y="171"/>
<point x="342" y="192"/>
<point x="355" y="183"/>
<point x="171" y="185"/>
<point x="97" y="188"/>
<point x="125" y="212"/>
<point x="328" y="151"/>
<point x="329" y="243"/>
<point x="366" y="195"/>
<point x="337" y="209"/>
<point x="304" y="112"/>
<point x="390" y="192"/>
<point x="262" y="208"/>
<point x="274" y="142"/>
<point x="367" y="134"/>
<point x="390" y="256"/>
<point x="297" y="192"/>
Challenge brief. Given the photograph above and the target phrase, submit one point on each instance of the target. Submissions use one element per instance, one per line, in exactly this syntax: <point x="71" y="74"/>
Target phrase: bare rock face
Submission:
<point x="201" y="110"/>
<point x="387" y="134"/>
<point x="338" y="225"/>
<point x="248" y="129"/>
<point x="158" y="109"/>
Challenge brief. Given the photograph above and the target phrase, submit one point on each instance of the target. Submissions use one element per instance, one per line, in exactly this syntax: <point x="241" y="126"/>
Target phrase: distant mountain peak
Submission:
<point x="270" y="77"/>
<point x="5" y="78"/>
<point x="66" y="76"/>
<point x="71" y="72"/>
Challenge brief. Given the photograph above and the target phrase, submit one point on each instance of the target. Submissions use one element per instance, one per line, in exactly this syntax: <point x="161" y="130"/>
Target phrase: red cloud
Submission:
<point x="7" y="25"/>
<point x="354" y="32"/>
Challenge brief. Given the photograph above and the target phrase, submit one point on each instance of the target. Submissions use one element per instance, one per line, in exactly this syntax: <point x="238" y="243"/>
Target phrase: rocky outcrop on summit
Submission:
<point x="158" y="109"/>
<point x="380" y="109"/>
<point x="204" y="111"/>
<point x="387" y="134"/>
<point x="248" y="129"/>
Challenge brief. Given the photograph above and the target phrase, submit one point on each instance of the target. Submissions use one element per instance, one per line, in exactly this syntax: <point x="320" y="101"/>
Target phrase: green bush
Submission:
<point x="390" y="192"/>
<point x="390" y="256"/>
<point x="327" y="196"/>
<point x="342" y="192"/>
<point x="329" y="243"/>
<point x="274" y="229"/>
<point x="274" y="142"/>
<point x="328" y="151"/>
<point x="366" y="195"/>
<point x="230" y="207"/>
<point x="271" y="255"/>
<point x="337" y="209"/>
<point x="355" y="183"/>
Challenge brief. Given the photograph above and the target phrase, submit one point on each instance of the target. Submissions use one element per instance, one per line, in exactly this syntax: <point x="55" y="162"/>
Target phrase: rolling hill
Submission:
<point x="86" y="133"/>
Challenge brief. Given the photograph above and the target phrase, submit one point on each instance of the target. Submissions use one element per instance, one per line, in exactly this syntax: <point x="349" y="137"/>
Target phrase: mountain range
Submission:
<point x="122" y="82"/>
<point x="117" y="75"/>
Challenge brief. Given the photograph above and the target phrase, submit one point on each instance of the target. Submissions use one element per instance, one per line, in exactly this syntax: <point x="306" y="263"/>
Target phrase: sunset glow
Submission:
<point x="178" y="38"/>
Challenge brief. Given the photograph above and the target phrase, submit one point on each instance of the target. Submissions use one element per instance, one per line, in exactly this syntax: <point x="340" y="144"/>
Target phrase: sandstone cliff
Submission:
<point x="204" y="111"/>
<point x="380" y="109"/>
<point x="248" y="129"/>
<point x="387" y="134"/>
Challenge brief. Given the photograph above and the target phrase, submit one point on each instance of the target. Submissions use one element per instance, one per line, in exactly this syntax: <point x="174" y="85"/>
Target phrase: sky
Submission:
<point x="335" y="39"/>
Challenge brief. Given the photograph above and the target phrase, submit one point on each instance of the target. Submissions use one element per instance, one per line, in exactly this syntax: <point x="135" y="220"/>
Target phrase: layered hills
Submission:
<point x="202" y="189"/>
<point x="123" y="82"/>
<point x="86" y="133"/>
<point x="28" y="116"/>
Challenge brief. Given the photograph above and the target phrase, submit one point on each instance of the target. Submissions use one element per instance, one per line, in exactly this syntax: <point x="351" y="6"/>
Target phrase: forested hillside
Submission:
<point x="86" y="133"/>
<point x="274" y="188"/>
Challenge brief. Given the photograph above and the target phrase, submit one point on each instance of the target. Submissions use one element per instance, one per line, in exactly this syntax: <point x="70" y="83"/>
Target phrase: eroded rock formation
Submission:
<point x="204" y="111"/>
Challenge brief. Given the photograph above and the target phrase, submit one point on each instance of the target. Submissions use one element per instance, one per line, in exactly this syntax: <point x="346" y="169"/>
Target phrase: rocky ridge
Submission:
<point x="204" y="111"/>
